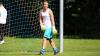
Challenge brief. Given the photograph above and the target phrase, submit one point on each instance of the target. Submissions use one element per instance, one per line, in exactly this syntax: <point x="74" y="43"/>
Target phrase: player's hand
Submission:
<point x="42" y="27"/>
<point x="54" y="30"/>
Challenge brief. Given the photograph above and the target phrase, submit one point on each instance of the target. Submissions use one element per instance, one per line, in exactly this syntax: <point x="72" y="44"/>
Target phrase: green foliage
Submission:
<point x="82" y="17"/>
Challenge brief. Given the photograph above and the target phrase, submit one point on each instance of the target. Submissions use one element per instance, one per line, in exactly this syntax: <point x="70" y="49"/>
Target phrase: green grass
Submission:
<point x="30" y="47"/>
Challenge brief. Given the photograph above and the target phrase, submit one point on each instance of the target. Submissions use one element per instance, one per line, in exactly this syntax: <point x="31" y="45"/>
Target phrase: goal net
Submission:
<point x="22" y="17"/>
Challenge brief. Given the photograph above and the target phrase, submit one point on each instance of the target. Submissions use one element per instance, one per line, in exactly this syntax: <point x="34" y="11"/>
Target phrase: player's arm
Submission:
<point x="52" y="21"/>
<point x="41" y="22"/>
<point x="40" y="18"/>
<point x="52" y="18"/>
<point x="4" y="14"/>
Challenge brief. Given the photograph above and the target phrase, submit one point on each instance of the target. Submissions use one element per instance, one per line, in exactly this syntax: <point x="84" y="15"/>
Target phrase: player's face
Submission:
<point x="45" y="5"/>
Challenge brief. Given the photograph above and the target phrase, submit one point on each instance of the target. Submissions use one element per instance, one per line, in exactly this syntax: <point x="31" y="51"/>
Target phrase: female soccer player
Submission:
<point x="46" y="19"/>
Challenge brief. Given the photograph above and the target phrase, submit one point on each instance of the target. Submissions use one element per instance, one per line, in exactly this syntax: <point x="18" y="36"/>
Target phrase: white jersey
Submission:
<point x="46" y="18"/>
<point x="3" y="15"/>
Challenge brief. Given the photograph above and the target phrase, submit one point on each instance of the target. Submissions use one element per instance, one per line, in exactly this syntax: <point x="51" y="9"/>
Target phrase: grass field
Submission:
<point x="31" y="47"/>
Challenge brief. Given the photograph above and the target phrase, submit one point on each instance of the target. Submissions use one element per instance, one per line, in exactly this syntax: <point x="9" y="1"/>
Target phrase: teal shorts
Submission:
<point x="48" y="33"/>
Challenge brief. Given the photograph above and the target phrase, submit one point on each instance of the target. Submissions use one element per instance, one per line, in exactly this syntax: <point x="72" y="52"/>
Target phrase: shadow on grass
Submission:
<point x="22" y="53"/>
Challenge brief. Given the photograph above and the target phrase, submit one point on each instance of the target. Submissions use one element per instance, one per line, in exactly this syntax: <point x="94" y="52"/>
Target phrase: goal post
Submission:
<point x="61" y="26"/>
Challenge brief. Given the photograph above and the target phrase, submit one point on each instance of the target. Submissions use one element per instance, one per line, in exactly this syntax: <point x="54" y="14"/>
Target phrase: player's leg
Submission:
<point x="47" y="35"/>
<point x="43" y="46"/>
<point x="44" y="43"/>
<point x="52" y="43"/>
<point x="1" y="34"/>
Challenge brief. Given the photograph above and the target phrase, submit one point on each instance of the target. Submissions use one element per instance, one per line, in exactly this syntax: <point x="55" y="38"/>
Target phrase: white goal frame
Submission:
<point x="61" y="26"/>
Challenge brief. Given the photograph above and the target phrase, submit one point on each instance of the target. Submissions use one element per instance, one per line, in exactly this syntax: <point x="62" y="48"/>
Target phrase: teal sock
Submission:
<point x="42" y="49"/>
<point x="54" y="49"/>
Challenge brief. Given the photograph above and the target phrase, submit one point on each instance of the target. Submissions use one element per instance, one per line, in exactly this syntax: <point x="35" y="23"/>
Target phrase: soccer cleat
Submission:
<point x="1" y="42"/>
<point x="42" y="51"/>
<point x="55" y="51"/>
